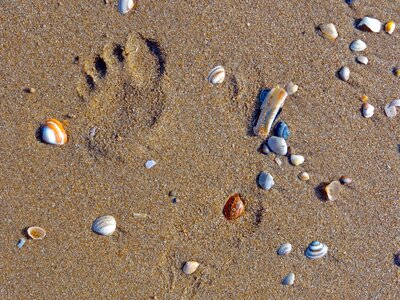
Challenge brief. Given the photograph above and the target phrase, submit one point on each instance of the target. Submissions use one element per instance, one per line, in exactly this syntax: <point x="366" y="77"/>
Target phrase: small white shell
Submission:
<point x="362" y="59"/>
<point x="358" y="45"/>
<point x="390" y="108"/>
<point x="316" y="250"/>
<point x="216" y="75"/>
<point x="291" y="88"/>
<point x="124" y="6"/>
<point x="344" y="73"/>
<point x="389" y="27"/>
<point x="284" y="249"/>
<point x="367" y="110"/>
<point x="149" y="164"/>
<point x="329" y="31"/>
<point x="370" y="24"/>
<point x="36" y="233"/>
<point x="289" y="279"/>
<point x="190" y="267"/>
<point x="304" y="176"/>
<point x="104" y="225"/>
<point x="296" y="160"/>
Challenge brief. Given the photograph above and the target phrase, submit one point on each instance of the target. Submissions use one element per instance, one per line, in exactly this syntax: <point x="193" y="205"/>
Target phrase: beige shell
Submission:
<point x="332" y="190"/>
<point x="304" y="176"/>
<point x="296" y="160"/>
<point x="190" y="267"/>
<point x="291" y="88"/>
<point x="216" y="75"/>
<point x="329" y="31"/>
<point x="36" y="233"/>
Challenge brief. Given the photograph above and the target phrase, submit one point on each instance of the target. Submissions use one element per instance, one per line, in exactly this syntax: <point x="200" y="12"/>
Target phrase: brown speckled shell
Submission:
<point x="234" y="207"/>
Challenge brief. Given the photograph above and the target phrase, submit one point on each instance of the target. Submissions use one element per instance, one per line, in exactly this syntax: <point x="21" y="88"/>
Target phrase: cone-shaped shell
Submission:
<point x="234" y="207"/>
<point x="53" y="132"/>
<point x="190" y="267"/>
<point x="216" y="75"/>
<point x="104" y="225"/>
<point x="316" y="250"/>
<point x="370" y="24"/>
<point x="36" y="233"/>
<point x="124" y="6"/>
<point x="329" y="31"/>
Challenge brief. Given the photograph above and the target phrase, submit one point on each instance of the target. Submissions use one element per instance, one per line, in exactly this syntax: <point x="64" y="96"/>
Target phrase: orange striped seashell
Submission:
<point x="53" y="132"/>
<point x="234" y="207"/>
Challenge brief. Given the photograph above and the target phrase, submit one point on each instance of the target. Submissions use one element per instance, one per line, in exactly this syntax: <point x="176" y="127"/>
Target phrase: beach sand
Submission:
<point x="140" y="80"/>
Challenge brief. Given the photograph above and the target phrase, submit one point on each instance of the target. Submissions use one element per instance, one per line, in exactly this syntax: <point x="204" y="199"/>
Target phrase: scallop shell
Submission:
<point x="358" y="45"/>
<point x="362" y="59"/>
<point x="367" y="110"/>
<point x="370" y="24"/>
<point x="329" y="31"/>
<point x="269" y="110"/>
<point x="234" y="207"/>
<point x="332" y="190"/>
<point x="344" y="73"/>
<point x="282" y="130"/>
<point x="296" y="160"/>
<point x="316" y="250"/>
<point x="289" y="279"/>
<point x="54" y="133"/>
<point x="304" y="176"/>
<point x="216" y="75"/>
<point x="389" y="27"/>
<point x="36" y="233"/>
<point x="124" y="6"/>
<point x="104" y="225"/>
<point x="284" y="249"/>
<point x="190" y="267"/>
<point x="291" y="88"/>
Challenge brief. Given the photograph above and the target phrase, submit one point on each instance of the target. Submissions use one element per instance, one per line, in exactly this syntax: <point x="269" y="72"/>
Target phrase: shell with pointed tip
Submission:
<point x="358" y="45"/>
<point x="329" y="31"/>
<point x="289" y="279"/>
<point x="367" y="110"/>
<point x="362" y="60"/>
<point x="332" y="190"/>
<point x="234" y="207"/>
<point x="389" y="27"/>
<point x="344" y="73"/>
<point x="370" y="24"/>
<point x="316" y="250"/>
<point x="296" y="160"/>
<point x="104" y="225"/>
<point x="269" y="110"/>
<point x="216" y="75"/>
<point x="36" y="233"/>
<point x="54" y="133"/>
<point x="124" y="6"/>
<point x="284" y="249"/>
<point x="190" y="267"/>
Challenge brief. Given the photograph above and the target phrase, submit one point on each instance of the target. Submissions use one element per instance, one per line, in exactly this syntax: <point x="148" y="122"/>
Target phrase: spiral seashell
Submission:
<point x="124" y="6"/>
<point x="284" y="249"/>
<point x="389" y="27"/>
<point x="358" y="45"/>
<point x="370" y="24"/>
<point x="282" y="130"/>
<point x="104" y="225"/>
<point x="36" y="233"/>
<point x="316" y="250"/>
<point x="54" y="133"/>
<point x="216" y="75"/>
<point x="329" y="31"/>
<point x="234" y="207"/>
<point x="190" y="267"/>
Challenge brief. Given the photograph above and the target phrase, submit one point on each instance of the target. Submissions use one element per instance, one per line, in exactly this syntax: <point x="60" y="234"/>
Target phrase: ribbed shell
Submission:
<point x="54" y="133"/>
<point x="104" y="225"/>
<point x="316" y="250"/>
<point x="216" y="75"/>
<point x="124" y="6"/>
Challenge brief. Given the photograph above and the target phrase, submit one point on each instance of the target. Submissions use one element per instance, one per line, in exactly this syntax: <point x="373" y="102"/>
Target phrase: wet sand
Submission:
<point x="140" y="80"/>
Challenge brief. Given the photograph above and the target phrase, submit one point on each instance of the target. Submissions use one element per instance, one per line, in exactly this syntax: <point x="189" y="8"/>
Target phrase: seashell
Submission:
<point x="396" y="72"/>
<point x="278" y="161"/>
<point x="344" y="73"/>
<point x="370" y="24"/>
<point x="149" y="164"/>
<point x="316" y="250"/>
<point x="291" y="88"/>
<point x="389" y="27"/>
<point x="284" y="249"/>
<point x="329" y="31"/>
<point x="296" y="160"/>
<point x="390" y="108"/>
<point x="289" y="279"/>
<point x="124" y="6"/>
<point x="234" y="207"/>
<point x="345" y="179"/>
<point x="265" y="181"/>
<point x="304" y="176"/>
<point x="104" y="225"/>
<point x="282" y="130"/>
<point x="21" y="243"/>
<point x="263" y="95"/>
<point x="190" y="267"/>
<point x="367" y="110"/>
<point x="362" y="59"/>
<point x="269" y="109"/>
<point x="216" y="75"/>
<point x="358" y="45"/>
<point x="277" y="145"/>
<point x="53" y="132"/>
<point x="265" y="149"/>
<point x="397" y="259"/>
<point x="332" y="190"/>
<point x="36" y="233"/>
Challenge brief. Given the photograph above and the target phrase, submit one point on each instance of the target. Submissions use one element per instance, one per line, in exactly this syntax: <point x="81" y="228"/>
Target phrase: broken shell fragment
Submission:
<point x="370" y="24"/>
<point x="36" y="233"/>
<point x="54" y="133"/>
<point x="389" y="27"/>
<point x="332" y="190"/>
<point x="284" y="249"/>
<point x="367" y="110"/>
<point x="344" y="73"/>
<point x="362" y="59"/>
<point x="124" y="6"/>
<point x="296" y="160"/>
<point x="104" y="225"/>
<point x="234" y="207"/>
<point x="316" y="250"/>
<point x="21" y="243"/>
<point x="358" y="45"/>
<point x="289" y="279"/>
<point x="291" y="88"/>
<point x="304" y="176"/>
<point x="269" y="110"/>
<point x="190" y="267"/>
<point x="216" y="75"/>
<point x="329" y="31"/>
<point x="345" y="179"/>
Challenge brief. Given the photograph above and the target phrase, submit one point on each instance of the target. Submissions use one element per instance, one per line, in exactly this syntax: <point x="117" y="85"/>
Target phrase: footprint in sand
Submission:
<point x="122" y="92"/>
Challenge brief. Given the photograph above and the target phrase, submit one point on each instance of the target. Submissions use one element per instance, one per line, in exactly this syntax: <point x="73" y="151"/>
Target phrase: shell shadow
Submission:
<point x="396" y="259"/>
<point x="356" y="21"/>
<point x="256" y="110"/>
<point x="319" y="191"/>
<point x="24" y="232"/>
<point x="38" y="134"/>
<point x="398" y="148"/>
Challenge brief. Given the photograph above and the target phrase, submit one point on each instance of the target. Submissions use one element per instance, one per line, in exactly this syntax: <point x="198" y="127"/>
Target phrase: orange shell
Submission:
<point x="234" y="207"/>
<point x="58" y="128"/>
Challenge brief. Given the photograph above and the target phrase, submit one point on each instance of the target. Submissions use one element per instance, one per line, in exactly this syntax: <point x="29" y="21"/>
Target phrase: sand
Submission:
<point x="140" y="81"/>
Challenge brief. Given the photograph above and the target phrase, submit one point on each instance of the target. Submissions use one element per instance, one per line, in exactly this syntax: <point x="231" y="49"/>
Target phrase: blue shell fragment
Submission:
<point x="21" y="243"/>
<point x="282" y="130"/>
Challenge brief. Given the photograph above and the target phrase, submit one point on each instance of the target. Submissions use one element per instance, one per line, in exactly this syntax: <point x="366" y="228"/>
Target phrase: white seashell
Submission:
<point x="367" y="110"/>
<point x="316" y="250"/>
<point x="269" y="109"/>
<point x="36" y="233"/>
<point x="104" y="225"/>
<point x="284" y="249"/>
<point x="389" y="27"/>
<point x="289" y="279"/>
<point x="54" y="133"/>
<point x="277" y="145"/>
<point x="329" y="31"/>
<point x="149" y="164"/>
<point x="358" y="45"/>
<point x="296" y="160"/>
<point x="344" y="73"/>
<point x="304" y="176"/>
<point x="216" y="75"/>
<point x="370" y="24"/>
<point x="362" y="59"/>
<point x="265" y="181"/>
<point x="291" y="88"/>
<point x="390" y="108"/>
<point x="190" y="267"/>
<point x="124" y="6"/>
